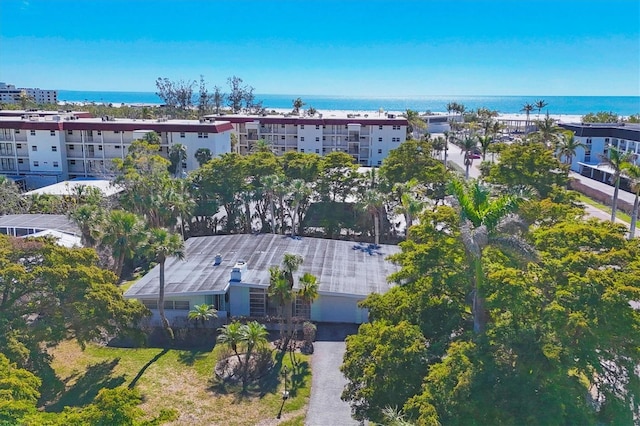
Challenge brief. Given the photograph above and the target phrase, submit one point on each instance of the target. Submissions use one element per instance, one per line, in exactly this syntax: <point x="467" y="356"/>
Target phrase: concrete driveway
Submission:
<point x="325" y="406"/>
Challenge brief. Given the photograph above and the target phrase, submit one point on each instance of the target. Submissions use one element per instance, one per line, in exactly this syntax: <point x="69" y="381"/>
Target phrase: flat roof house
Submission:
<point x="231" y="272"/>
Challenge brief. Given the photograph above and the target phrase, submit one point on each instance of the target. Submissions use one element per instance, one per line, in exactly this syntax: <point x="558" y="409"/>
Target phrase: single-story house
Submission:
<point x="231" y="272"/>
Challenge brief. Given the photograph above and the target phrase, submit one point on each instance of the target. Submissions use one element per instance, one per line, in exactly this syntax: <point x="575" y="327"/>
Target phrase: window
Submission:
<point x="317" y="138"/>
<point x="17" y="131"/>
<point x="117" y="147"/>
<point x="116" y="131"/>
<point x="346" y="127"/>
<point x="606" y="140"/>
<point x="34" y="148"/>
<point x="302" y="150"/>
<point x="20" y="161"/>
<point x="184" y="165"/>
<point x="302" y="138"/>
<point x="282" y="137"/>
<point x="379" y="162"/>
<point x="69" y="132"/>
<point x="54" y="148"/>
<point x="71" y="147"/>
<point x="99" y="132"/>
<point x="379" y="139"/>
<point x="317" y="127"/>
<point x="302" y="126"/>
<point x="380" y="127"/>
<point x="317" y="151"/>
<point x="257" y="302"/>
<point x="32" y="132"/>
<point x="379" y="151"/>
<point x="282" y="149"/>
<point x="18" y="146"/>
<point x="282" y="126"/>
<point x="324" y="138"/>
<point x="72" y="162"/>
<point x="99" y="147"/>
<point x="182" y="134"/>
<point x="55" y="164"/>
<point x="203" y="135"/>
<point x="150" y="303"/>
<point x="36" y="164"/>
<point x="52" y="132"/>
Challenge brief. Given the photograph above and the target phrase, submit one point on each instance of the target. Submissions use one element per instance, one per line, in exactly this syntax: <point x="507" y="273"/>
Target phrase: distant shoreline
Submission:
<point x="557" y="105"/>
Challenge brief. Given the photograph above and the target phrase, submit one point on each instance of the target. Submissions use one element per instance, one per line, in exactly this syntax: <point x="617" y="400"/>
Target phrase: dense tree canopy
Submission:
<point x="560" y="345"/>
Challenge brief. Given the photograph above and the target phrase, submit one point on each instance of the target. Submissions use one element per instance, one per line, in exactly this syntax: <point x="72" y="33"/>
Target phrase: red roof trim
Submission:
<point x="317" y="121"/>
<point x="113" y="125"/>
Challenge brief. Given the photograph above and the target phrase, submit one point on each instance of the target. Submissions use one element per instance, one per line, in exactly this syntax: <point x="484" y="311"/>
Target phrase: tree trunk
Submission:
<point x="247" y="213"/>
<point x="273" y="215"/>
<point x="163" y="317"/>
<point x="614" y="202"/>
<point x="376" y="228"/>
<point x="480" y="316"/>
<point x="634" y="216"/>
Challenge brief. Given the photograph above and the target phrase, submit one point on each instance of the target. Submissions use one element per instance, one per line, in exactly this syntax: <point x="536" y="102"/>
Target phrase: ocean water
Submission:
<point x="575" y="105"/>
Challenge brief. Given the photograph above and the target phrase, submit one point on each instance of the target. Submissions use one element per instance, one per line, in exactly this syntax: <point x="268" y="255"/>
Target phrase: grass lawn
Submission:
<point x="620" y="215"/>
<point x="181" y="380"/>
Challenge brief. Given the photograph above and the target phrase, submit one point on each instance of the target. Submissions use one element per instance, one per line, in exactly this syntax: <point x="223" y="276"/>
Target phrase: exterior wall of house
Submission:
<point x="338" y="309"/>
<point x="239" y="301"/>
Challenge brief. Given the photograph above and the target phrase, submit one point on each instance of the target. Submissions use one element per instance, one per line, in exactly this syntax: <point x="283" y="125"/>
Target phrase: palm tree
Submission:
<point x="539" y="104"/>
<point x="481" y="218"/>
<point x="163" y="245"/>
<point x="447" y="137"/>
<point x="177" y="156"/>
<point x="485" y="143"/>
<point x="124" y="233"/>
<point x="527" y="108"/>
<point x="567" y="147"/>
<point x="89" y="219"/>
<point x="254" y="335"/>
<point x="297" y="104"/>
<point x="290" y="265"/>
<point x="372" y="203"/>
<point x="269" y="183"/>
<point x="414" y="122"/>
<point x="632" y="172"/>
<point x="308" y="291"/>
<point x="231" y="335"/>
<point x="615" y="160"/>
<point x="261" y="145"/>
<point x="301" y="192"/>
<point x="280" y="292"/>
<point x="202" y="156"/>
<point x="439" y="144"/>
<point x="202" y="313"/>
<point x="469" y="145"/>
<point x="548" y="131"/>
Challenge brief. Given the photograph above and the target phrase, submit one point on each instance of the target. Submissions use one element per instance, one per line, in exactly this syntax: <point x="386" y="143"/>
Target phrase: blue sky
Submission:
<point x="347" y="47"/>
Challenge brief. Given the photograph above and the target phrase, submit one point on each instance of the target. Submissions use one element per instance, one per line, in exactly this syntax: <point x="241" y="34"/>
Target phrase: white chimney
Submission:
<point x="237" y="270"/>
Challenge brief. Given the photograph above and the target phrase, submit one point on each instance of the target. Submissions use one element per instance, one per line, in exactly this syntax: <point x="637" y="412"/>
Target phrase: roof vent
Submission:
<point x="217" y="260"/>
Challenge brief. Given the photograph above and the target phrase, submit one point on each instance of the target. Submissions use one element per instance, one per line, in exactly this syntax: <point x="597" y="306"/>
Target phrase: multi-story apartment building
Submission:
<point x="48" y="147"/>
<point x="9" y="94"/>
<point x="367" y="139"/>
<point x="597" y="139"/>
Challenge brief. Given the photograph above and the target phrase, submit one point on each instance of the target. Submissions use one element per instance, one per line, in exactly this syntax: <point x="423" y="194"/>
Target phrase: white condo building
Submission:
<point x="597" y="139"/>
<point x="367" y="139"/>
<point x="48" y="147"/>
<point x="9" y="94"/>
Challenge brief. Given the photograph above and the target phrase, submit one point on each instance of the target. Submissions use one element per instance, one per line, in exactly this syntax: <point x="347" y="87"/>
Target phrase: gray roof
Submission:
<point x="57" y="222"/>
<point x="342" y="267"/>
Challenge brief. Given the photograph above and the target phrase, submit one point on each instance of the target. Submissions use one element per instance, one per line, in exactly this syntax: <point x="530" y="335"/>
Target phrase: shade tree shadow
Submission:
<point x="147" y="365"/>
<point x="190" y="357"/>
<point x="87" y="386"/>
